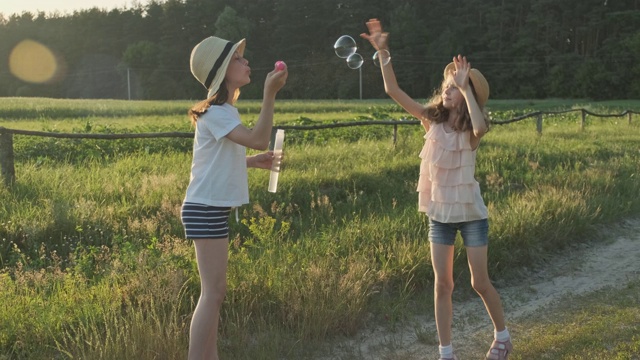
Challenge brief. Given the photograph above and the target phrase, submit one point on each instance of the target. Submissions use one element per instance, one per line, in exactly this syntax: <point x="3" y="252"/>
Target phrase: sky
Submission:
<point x="8" y="7"/>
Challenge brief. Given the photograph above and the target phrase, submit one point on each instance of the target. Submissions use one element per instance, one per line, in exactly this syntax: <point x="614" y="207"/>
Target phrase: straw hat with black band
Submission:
<point x="210" y="59"/>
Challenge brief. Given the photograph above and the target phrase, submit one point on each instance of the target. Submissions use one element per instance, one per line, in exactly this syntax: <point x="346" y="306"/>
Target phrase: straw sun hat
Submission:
<point x="480" y="84"/>
<point x="210" y="59"/>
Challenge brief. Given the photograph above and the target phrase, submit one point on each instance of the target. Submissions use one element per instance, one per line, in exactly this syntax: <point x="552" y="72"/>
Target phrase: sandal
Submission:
<point x="500" y="350"/>
<point x="451" y="358"/>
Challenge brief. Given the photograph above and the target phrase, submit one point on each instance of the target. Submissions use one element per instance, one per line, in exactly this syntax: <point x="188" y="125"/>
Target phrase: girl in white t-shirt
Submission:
<point x="219" y="173"/>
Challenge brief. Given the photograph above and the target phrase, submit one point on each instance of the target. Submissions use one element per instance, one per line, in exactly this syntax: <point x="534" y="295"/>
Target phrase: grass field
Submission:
<point x="94" y="265"/>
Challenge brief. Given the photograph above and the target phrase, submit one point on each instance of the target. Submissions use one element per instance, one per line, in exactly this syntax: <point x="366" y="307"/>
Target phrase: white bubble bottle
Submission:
<point x="277" y="161"/>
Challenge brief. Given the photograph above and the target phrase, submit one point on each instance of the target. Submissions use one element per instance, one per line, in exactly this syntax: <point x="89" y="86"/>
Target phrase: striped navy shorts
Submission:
<point x="204" y="221"/>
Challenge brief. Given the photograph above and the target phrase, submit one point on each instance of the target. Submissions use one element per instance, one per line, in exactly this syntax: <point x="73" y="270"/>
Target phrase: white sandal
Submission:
<point x="451" y="358"/>
<point x="500" y="350"/>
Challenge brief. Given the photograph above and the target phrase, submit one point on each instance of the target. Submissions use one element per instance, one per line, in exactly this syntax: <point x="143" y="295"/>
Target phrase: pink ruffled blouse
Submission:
<point x="447" y="189"/>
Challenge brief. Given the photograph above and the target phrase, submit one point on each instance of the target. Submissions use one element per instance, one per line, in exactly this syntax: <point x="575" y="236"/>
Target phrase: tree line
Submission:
<point x="526" y="48"/>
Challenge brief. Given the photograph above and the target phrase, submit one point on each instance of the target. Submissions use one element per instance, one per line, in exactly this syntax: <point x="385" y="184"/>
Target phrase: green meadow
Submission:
<point x="93" y="263"/>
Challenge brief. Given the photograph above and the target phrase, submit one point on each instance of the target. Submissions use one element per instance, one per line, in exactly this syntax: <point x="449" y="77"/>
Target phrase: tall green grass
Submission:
<point x="94" y="264"/>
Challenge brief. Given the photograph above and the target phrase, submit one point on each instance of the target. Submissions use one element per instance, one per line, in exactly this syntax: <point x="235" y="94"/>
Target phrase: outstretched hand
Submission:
<point x="461" y="73"/>
<point x="377" y="38"/>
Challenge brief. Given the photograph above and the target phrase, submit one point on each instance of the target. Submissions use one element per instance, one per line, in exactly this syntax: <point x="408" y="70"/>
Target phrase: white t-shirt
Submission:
<point x="219" y="166"/>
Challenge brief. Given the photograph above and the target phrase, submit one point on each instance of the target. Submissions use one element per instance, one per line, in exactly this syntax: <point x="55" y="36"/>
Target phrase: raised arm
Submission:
<point x="379" y="40"/>
<point x="461" y="78"/>
<point x="258" y="137"/>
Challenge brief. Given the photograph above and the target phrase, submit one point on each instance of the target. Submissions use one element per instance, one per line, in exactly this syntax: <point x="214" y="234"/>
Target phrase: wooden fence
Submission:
<point x="7" y="167"/>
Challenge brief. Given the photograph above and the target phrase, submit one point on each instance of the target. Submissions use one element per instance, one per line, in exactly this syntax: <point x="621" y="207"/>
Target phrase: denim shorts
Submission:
<point x="474" y="233"/>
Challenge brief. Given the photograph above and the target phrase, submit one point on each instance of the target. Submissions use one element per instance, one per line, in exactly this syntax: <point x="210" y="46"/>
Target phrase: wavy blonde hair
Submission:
<point x="435" y="112"/>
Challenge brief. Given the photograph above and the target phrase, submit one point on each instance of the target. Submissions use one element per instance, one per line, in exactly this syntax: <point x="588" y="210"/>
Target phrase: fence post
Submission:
<point x="539" y="124"/>
<point x="584" y="115"/>
<point x="395" y="134"/>
<point x="7" y="167"/>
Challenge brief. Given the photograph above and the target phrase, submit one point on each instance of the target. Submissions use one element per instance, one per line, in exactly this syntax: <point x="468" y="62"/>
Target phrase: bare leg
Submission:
<point x="212" y="257"/>
<point x="442" y="261"/>
<point x="477" y="258"/>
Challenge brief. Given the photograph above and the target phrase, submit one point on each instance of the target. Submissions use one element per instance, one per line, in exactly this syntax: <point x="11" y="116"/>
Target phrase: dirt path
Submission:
<point x="587" y="268"/>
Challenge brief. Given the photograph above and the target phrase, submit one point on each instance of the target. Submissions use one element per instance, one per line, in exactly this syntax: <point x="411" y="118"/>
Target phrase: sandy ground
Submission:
<point x="611" y="262"/>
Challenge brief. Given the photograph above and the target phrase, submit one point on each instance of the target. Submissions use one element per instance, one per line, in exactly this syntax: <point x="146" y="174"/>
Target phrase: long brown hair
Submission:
<point x="435" y="112"/>
<point x="219" y="98"/>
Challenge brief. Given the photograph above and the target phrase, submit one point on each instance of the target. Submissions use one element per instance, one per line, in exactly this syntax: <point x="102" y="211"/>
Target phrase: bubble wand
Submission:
<point x="277" y="147"/>
<point x="277" y="161"/>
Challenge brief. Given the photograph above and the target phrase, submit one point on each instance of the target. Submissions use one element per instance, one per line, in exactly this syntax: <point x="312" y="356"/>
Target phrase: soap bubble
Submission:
<point x="354" y="61"/>
<point x="345" y="46"/>
<point x="381" y="57"/>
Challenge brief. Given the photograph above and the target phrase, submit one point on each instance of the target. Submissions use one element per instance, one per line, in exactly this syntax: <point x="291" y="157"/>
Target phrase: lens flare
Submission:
<point x="33" y="62"/>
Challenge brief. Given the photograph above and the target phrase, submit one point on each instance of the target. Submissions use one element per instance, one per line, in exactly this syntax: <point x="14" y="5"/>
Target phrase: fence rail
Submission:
<point x="7" y="167"/>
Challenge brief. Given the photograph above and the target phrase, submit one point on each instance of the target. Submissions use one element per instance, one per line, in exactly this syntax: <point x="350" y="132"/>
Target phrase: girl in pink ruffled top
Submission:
<point x="454" y="121"/>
